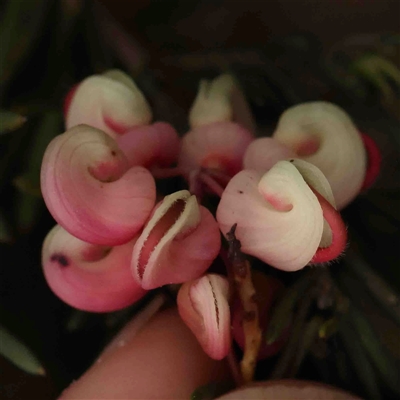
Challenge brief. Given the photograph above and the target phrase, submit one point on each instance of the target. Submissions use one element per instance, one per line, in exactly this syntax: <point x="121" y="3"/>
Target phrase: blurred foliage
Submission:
<point x="47" y="46"/>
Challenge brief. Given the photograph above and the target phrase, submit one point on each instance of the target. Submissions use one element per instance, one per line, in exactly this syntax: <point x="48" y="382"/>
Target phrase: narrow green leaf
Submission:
<point x="283" y="367"/>
<point x="211" y="391"/>
<point x="20" y="26"/>
<point x="25" y="185"/>
<point x="360" y="361"/>
<point x="19" y="354"/>
<point x="328" y="328"/>
<point x="282" y="312"/>
<point x="310" y="333"/>
<point x="378" y="288"/>
<point x="10" y="121"/>
<point x="385" y="366"/>
<point x="28" y="203"/>
<point x="5" y="232"/>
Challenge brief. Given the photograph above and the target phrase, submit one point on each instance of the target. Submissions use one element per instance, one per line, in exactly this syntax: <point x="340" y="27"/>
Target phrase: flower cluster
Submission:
<point x="115" y="240"/>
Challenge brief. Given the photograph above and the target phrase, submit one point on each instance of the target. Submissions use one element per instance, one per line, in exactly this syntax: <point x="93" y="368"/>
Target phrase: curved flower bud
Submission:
<point x="150" y="145"/>
<point x="111" y="102"/>
<point x="279" y="218"/>
<point x="220" y="145"/>
<point x="87" y="276"/>
<point x="203" y="306"/>
<point x="324" y="135"/>
<point x="263" y="153"/>
<point x="178" y="243"/>
<point x="221" y="100"/>
<point x="89" y="189"/>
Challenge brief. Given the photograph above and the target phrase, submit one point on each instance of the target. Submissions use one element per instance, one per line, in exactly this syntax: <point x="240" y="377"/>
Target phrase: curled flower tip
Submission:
<point x="324" y="135"/>
<point x="87" y="276"/>
<point x="90" y="190"/>
<point x="219" y="146"/>
<point x="155" y="145"/>
<point x="279" y="219"/>
<point x="203" y="306"/>
<point x="111" y="102"/>
<point x="178" y="243"/>
<point x="221" y="100"/>
<point x="334" y="234"/>
<point x="263" y="153"/>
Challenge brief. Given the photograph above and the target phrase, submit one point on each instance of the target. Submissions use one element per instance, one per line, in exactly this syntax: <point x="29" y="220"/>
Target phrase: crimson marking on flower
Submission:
<point x="61" y="259"/>
<point x="166" y="222"/>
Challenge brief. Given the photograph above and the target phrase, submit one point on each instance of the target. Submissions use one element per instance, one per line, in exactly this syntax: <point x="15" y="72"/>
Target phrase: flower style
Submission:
<point x="203" y="306"/>
<point x="90" y="189"/>
<point x="178" y="243"/>
<point x="280" y="219"/>
<point x="87" y="276"/>
<point x="324" y="135"/>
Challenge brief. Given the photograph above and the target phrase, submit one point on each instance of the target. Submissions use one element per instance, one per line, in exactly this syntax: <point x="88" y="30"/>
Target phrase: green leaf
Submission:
<point x="5" y="231"/>
<point x="378" y="288"/>
<point x="360" y="361"/>
<point x="10" y="121"/>
<point x="282" y="312"/>
<point x="378" y="70"/>
<point x="20" y="26"/>
<point x="19" y="354"/>
<point x="377" y="353"/>
<point x="28" y="203"/>
<point x="211" y="391"/>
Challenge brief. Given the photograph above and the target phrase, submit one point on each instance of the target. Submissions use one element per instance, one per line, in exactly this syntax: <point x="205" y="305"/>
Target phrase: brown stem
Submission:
<point x="244" y="286"/>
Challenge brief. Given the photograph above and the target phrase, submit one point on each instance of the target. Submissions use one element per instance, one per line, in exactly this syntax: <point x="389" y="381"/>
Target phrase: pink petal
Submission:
<point x="324" y="135"/>
<point x="178" y="243"/>
<point x="263" y="153"/>
<point x="279" y="219"/>
<point x="89" y="277"/>
<point x="150" y="145"/>
<point x="110" y="102"/>
<point x="220" y="145"/>
<point x="90" y="190"/>
<point x="203" y="306"/>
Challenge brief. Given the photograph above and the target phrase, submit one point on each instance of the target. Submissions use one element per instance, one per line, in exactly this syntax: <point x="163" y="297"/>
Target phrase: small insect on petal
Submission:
<point x="178" y="243"/>
<point x="203" y="306"/>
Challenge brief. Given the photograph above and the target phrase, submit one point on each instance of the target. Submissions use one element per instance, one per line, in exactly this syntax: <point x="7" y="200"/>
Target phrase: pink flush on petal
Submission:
<point x="203" y="306"/>
<point x="155" y="145"/>
<point x="90" y="189"/>
<point x="219" y="145"/>
<point x="111" y="102"/>
<point x="263" y="153"/>
<point x="178" y="243"/>
<point x="89" y="277"/>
